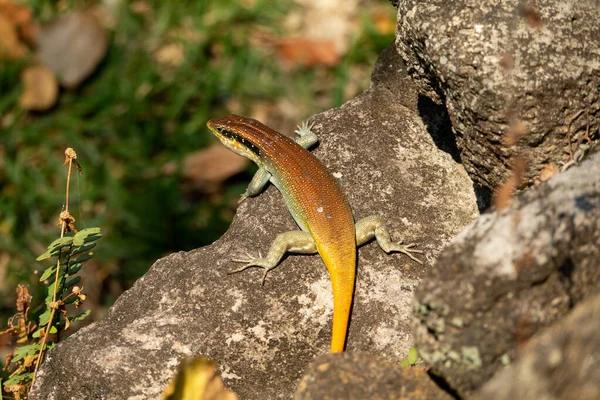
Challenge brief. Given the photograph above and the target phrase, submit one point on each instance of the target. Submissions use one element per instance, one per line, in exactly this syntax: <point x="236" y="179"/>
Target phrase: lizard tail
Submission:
<point x="342" y="282"/>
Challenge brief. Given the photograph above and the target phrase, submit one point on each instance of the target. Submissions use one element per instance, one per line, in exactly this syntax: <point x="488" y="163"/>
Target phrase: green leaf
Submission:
<point x="45" y="317"/>
<point x="79" y="238"/>
<point x="51" y="289"/>
<point x="411" y="358"/>
<point x="93" y="238"/>
<point x="75" y="268"/>
<point x="17" y="379"/>
<point x="82" y="249"/>
<point x="81" y="259"/>
<point x="47" y="273"/>
<point x="23" y="351"/>
<point x="44" y="256"/>
<point x="61" y="276"/>
<point x="37" y="333"/>
<point x="90" y="231"/>
<point x="61" y="242"/>
<point x="86" y="235"/>
<point x="72" y="282"/>
<point x="55" y="246"/>
<point x="80" y="317"/>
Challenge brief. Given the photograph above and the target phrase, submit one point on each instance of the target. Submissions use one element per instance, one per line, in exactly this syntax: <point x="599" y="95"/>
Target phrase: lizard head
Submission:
<point x="240" y="134"/>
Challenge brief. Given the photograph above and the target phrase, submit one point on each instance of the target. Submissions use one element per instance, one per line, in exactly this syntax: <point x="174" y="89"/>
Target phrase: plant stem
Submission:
<point x="53" y="312"/>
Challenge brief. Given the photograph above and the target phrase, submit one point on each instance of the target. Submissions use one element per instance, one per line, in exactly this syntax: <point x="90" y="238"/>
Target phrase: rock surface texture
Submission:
<point x="510" y="274"/>
<point x="263" y="337"/>
<point x="560" y="363"/>
<point x="517" y="77"/>
<point x="365" y="377"/>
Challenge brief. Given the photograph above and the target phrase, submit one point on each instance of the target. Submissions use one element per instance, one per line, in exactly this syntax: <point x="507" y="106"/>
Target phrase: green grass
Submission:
<point x="132" y="117"/>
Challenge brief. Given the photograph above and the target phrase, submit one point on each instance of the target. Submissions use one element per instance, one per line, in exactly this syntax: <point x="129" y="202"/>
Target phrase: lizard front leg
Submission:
<point x="307" y="138"/>
<point x="289" y="242"/>
<point x="373" y="227"/>
<point x="257" y="184"/>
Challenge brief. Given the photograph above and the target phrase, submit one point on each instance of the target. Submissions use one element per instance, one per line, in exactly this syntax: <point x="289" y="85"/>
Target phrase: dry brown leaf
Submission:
<point x="507" y="61"/>
<point x="548" y="171"/>
<point x="72" y="45"/>
<point x="141" y="7"/>
<point x="531" y="16"/>
<point x="322" y="21"/>
<point x="21" y="17"/>
<point x="504" y="194"/>
<point x="170" y="55"/>
<point x="384" y="20"/>
<point x="23" y="298"/>
<point x="16" y="13"/>
<point x="308" y="51"/>
<point x="10" y="46"/>
<point x="209" y="167"/>
<point x="516" y="129"/>
<point x="197" y="380"/>
<point x="40" y="89"/>
<point x="4" y="259"/>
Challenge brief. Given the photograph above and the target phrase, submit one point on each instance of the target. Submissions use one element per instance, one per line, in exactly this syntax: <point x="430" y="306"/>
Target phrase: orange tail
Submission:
<point x="342" y="282"/>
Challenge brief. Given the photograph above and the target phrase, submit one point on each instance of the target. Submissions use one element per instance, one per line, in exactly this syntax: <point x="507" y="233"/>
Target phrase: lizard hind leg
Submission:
<point x="373" y="226"/>
<point x="299" y="242"/>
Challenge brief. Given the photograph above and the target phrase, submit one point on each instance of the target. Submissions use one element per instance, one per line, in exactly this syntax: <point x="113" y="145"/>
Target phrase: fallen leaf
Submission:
<point x="197" y="380"/>
<point x="170" y="55"/>
<point x="16" y="13"/>
<point x="504" y="194"/>
<point x="21" y="18"/>
<point x="308" y="51"/>
<point x="208" y="168"/>
<point x="332" y="21"/>
<point x="72" y="46"/>
<point x="141" y="7"/>
<point x="40" y="89"/>
<point x="548" y="171"/>
<point x="516" y="129"/>
<point x="384" y="20"/>
<point x="10" y="45"/>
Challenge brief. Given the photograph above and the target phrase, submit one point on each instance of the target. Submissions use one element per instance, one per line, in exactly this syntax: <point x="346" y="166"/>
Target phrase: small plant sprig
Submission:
<point x="71" y="252"/>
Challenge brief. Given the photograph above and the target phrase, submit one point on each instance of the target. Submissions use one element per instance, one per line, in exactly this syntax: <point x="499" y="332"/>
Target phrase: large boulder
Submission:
<point x="263" y="337"/>
<point x="365" y="377"/>
<point x="520" y="79"/>
<point x="509" y="275"/>
<point x="562" y="362"/>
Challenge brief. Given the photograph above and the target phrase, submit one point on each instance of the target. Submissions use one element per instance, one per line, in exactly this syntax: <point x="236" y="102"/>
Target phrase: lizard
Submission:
<point x="316" y="203"/>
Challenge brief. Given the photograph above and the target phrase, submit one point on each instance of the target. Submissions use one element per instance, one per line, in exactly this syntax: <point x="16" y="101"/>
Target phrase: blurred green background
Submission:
<point x="170" y="66"/>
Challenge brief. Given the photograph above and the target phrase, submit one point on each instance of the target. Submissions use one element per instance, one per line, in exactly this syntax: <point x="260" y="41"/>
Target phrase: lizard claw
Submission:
<point x="304" y="128"/>
<point x="408" y="250"/>
<point x="251" y="261"/>
<point x="242" y="198"/>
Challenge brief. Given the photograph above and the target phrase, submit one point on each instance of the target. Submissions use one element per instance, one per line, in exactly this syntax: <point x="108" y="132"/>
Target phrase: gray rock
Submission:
<point x="560" y="363"/>
<point x="508" y="275"/>
<point x="507" y="71"/>
<point x="264" y="337"/>
<point x="365" y="377"/>
<point x="72" y="45"/>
